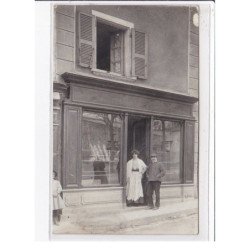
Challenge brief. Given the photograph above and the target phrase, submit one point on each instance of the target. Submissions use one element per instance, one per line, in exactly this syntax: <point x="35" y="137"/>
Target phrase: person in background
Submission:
<point x="58" y="203"/>
<point x="155" y="172"/>
<point x="135" y="169"/>
<point x="99" y="171"/>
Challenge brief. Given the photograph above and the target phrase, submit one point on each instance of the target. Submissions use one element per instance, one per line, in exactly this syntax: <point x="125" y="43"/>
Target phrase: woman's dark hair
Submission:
<point x="134" y="151"/>
<point x="55" y="173"/>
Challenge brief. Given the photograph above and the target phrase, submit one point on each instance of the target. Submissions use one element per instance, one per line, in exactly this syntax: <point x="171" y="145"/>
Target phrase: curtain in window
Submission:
<point x="167" y="145"/>
<point x="101" y="140"/>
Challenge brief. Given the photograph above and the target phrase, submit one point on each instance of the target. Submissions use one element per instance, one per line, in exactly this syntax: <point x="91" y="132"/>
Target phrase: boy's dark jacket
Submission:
<point x="155" y="171"/>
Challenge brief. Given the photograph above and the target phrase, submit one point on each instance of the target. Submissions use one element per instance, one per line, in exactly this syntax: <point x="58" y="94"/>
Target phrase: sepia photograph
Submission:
<point x="117" y="124"/>
<point x="125" y="119"/>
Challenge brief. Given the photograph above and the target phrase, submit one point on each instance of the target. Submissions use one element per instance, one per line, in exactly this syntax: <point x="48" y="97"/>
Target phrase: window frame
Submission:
<point x="122" y="147"/>
<point x="128" y="72"/>
<point x="181" y="122"/>
<point x="186" y="162"/>
<point x="127" y="43"/>
<point x="120" y="184"/>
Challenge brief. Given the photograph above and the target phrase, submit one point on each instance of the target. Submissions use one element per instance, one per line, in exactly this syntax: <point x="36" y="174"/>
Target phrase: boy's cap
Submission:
<point x="153" y="155"/>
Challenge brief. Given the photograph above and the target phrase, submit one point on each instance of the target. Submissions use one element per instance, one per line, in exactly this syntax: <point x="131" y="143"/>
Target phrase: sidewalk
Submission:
<point x="110" y="220"/>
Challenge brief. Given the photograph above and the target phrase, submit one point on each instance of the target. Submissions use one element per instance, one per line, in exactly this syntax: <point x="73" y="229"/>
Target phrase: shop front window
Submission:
<point x="101" y="141"/>
<point x="166" y="142"/>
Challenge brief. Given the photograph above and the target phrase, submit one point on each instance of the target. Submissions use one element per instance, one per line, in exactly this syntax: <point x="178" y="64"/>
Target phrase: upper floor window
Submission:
<point x="111" y="45"/>
<point x="110" y="48"/>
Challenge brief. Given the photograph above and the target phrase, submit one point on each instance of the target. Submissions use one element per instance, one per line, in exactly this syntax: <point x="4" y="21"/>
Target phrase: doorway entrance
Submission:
<point x="139" y="128"/>
<point x="139" y="137"/>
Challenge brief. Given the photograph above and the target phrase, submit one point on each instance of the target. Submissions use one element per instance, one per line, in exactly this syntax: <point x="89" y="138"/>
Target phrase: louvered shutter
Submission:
<point x="86" y="44"/>
<point x="139" y="54"/>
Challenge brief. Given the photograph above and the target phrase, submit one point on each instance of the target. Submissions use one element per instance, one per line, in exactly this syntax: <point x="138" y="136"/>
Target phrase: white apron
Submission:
<point x="135" y="170"/>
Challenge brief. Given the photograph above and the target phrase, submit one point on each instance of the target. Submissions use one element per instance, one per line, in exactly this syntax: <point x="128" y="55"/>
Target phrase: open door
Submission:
<point x="139" y="139"/>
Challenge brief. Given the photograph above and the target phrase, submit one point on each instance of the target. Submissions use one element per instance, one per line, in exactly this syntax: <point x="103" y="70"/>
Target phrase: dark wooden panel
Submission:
<point x="72" y="147"/>
<point x="125" y="89"/>
<point x="57" y="141"/>
<point x="124" y="151"/>
<point x="139" y="138"/>
<point x="56" y="137"/>
<point x="124" y="157"/>
<point x="129" y="102"/>
<point x="189" y="152"/>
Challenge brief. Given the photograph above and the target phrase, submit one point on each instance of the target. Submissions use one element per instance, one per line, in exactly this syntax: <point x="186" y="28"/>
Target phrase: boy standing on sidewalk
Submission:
<point x="155" y="172"/>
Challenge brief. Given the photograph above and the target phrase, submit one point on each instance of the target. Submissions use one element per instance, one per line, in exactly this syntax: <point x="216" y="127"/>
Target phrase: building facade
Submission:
<point x="124" y="77"/>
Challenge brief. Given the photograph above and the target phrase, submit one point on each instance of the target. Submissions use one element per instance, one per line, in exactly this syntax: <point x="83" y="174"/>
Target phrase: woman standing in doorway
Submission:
<point x="135" y="169"/>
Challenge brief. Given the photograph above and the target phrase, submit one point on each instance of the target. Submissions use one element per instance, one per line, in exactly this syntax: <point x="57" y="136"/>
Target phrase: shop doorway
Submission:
<point x="139" y="139"/>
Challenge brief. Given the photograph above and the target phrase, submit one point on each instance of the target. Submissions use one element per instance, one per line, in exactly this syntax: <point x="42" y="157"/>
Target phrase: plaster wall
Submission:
<point x="168" y="49"/>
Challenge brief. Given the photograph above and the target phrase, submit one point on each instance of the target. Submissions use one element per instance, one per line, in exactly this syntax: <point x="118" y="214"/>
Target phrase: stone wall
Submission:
<point x="194" y="83"/>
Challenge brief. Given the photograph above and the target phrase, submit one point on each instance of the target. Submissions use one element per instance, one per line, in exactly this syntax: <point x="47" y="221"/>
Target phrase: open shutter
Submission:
<point x="189" y="151"/>
<point x="139" y="54"/>
<point x="86" y="41"/>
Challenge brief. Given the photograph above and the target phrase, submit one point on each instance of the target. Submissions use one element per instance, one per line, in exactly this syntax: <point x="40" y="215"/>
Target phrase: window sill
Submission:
<point x="112" y="75"/>
<point x="94" y="188"/>
<point x="167" y="184"/>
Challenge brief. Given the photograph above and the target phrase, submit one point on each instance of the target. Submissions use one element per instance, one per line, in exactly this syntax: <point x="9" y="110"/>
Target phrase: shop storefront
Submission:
<point x="115" y="90"/>
<point x="104" y="120"/>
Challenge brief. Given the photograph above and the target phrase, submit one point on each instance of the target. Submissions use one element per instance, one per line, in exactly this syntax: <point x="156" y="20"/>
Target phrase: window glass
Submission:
<point x="167" y="146"/>
<point x="101" y="140"/>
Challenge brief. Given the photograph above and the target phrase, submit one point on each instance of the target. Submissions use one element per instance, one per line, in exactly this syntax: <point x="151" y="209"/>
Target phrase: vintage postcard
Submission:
<point x="129" y="155"/>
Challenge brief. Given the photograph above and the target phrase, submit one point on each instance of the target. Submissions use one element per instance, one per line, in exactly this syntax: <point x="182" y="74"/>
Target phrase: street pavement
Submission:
<point x="187" y="225"/>
<point x="171" y="218"/>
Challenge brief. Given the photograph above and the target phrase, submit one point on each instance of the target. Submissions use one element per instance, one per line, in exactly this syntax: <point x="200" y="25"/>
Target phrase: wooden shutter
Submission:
<point x="57" y="142"/>
<point x="86" y="40"/>
<point x="189" y="151"/>
<point x="139" y="54"/>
